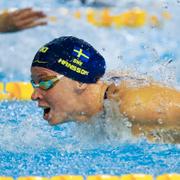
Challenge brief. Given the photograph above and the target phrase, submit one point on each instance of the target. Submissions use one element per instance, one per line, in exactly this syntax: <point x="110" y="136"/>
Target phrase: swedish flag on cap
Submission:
<point x="72" y="57"/>
<point x="81" y="54"/>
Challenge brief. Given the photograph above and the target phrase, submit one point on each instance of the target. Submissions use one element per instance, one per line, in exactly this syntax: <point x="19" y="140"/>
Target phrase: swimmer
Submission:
<point x="20" y="20"/>
<point x="97" y="3"/>
<point x="83" y="1"/>
<point x="67" y="79"/>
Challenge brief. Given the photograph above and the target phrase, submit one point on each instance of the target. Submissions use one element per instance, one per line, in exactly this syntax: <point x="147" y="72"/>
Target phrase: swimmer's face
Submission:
<point x="62" y="102"/>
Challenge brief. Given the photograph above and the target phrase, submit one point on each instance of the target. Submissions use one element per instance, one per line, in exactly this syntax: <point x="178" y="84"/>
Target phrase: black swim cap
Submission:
<point x="72" y="57"/>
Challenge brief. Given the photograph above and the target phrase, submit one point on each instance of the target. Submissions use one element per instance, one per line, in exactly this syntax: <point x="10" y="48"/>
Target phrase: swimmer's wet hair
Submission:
<point x="72" y="57"/>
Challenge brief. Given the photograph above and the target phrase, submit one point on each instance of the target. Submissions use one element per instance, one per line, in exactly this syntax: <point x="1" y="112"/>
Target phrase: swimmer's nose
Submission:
<point x="36" y="95"/>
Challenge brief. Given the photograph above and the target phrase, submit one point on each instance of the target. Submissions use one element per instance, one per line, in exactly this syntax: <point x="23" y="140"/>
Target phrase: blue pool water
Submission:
<point x="29" y="146"/>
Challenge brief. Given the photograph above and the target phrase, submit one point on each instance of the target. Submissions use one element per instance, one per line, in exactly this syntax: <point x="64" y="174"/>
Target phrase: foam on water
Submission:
<point x="29" y="146"/>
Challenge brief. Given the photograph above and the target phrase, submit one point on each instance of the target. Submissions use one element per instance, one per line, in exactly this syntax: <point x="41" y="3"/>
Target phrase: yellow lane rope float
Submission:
<point x="32" y="178"/>
<point x="15" y="91"/>
<point x="100" y="177"/>
<point x="132" y="18"/>
<point x="65" y="177"/>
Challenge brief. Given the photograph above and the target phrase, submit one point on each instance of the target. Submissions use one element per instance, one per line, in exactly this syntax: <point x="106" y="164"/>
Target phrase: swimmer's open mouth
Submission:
<point x="46" y="113"/>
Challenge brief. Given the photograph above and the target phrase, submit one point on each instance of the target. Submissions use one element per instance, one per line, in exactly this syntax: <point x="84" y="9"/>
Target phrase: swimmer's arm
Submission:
<point x="170" y="134"/>
<point x="150" y="103"/>
<point x="20" y="20"/>
<point x="151" y="108"/>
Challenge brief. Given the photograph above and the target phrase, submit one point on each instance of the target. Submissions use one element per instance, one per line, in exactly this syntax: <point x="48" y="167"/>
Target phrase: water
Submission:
<point x="29" y="146"/>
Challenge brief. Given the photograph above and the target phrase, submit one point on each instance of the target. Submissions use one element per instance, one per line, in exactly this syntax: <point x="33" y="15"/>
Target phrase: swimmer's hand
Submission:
<point x="21" y="19"/>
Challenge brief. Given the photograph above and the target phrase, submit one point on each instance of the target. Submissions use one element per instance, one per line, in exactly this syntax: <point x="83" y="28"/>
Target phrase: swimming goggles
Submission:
<point x="48" y="83"/>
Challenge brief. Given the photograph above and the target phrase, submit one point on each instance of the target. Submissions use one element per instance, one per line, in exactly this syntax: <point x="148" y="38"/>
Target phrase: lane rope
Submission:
<point x="99" y="177"/>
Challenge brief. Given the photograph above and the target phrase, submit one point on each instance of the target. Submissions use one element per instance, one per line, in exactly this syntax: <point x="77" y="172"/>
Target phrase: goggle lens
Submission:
<point x="46" y="84"/>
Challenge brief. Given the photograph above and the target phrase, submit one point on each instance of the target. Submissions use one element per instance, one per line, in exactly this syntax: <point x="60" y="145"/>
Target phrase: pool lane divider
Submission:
<point x="99" y="177"/>
<point x="135" y="17"/>
<point x="16" y="91"/>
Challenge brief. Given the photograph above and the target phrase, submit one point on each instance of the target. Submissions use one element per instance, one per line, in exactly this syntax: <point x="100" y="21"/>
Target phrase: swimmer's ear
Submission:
<point x="80" y="87"/>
